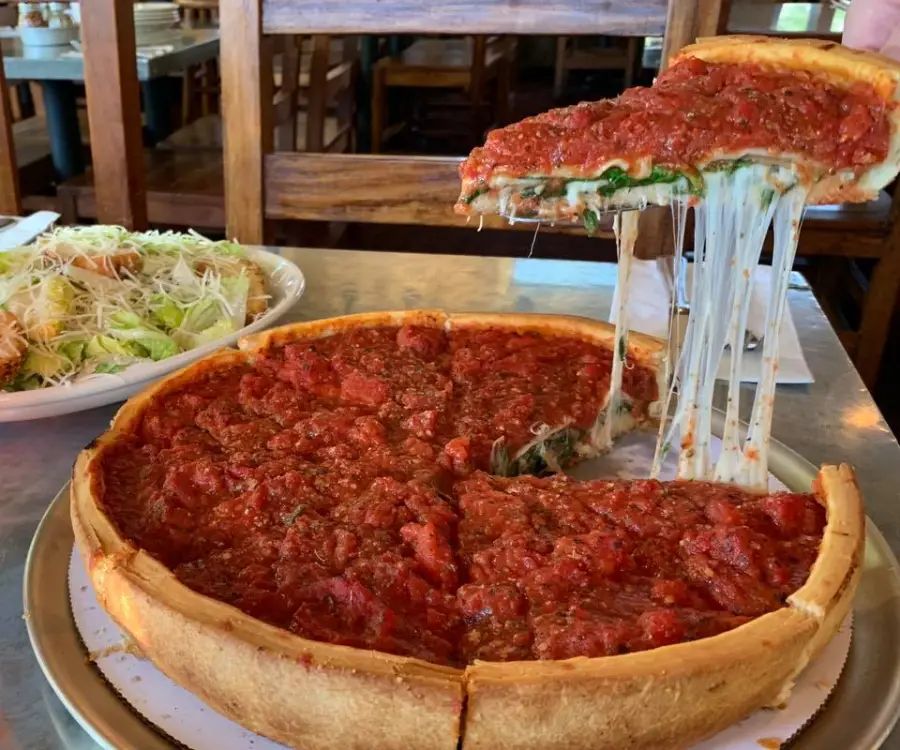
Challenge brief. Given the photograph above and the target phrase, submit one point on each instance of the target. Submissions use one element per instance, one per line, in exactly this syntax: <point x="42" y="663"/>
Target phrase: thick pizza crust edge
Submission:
<point x="304" y="693"/>
<point x="839" y="64"/>
<point x="334" y="696"/>
<point x="836" y="63"/>
<point x="828" y="592"/>
<point x="676" y="695"/>
<point x="646" y="349"/>
<point x="323" y="327"/>
<point x="665" y="698"/>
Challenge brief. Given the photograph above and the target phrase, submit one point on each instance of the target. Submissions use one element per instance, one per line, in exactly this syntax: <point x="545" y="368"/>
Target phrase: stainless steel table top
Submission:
<point x="62" y="63"/>
<point x="832" y="420"/>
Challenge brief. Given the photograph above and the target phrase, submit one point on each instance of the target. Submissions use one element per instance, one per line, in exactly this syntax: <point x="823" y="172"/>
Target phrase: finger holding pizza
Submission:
<point x="874" y="25"/>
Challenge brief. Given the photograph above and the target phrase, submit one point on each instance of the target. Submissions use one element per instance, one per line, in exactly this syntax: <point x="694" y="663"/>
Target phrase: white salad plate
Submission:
<point x="285" y="284"/>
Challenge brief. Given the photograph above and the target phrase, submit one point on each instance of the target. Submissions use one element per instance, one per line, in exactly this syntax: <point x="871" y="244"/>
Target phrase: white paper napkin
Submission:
<point x="648" y="312"/>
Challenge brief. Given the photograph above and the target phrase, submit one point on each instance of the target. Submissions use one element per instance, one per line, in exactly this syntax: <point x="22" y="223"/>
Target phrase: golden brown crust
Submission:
<point x="837" y="64"/>
<point x="317" y="695"/>
<point x="828" y="592"/>
<point x="313" y="329"/>
<point x="665" y="698"/>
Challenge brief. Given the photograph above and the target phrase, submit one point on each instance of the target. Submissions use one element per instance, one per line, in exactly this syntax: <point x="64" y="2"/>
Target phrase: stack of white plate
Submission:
<point x="152" y="18"/>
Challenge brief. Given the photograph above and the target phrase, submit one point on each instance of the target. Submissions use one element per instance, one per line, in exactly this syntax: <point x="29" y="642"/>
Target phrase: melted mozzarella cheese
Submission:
<point x="730" y="226"/>
<point x="615" y="417"/>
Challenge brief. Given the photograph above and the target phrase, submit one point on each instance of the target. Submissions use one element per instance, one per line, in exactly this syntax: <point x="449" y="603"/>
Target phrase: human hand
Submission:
<point x="874" y="25"/>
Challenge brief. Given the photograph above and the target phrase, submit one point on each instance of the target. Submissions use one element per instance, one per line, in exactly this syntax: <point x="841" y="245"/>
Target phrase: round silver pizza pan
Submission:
<point x="859" y="714"/>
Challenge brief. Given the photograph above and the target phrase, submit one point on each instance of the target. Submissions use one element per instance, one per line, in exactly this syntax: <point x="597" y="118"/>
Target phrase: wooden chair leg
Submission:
<point x="210" y="79"/>
<point x="633" y="65"/>
<point x="878" y="308"/>
<point x="504" y="87"/>
<point x="67" y="206"/>
<point x="379" y="106"/>
<point x="15" y="104"/>
<point x="559" y="70"/>
<point x="37" y="98"/>
<point x="187" y="95"/>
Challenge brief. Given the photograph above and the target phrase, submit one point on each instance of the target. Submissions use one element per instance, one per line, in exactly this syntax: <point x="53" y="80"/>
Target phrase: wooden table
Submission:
<point x="831" y="420"/>
<point x="819" y="20"/>
<point x="59" y="69"/>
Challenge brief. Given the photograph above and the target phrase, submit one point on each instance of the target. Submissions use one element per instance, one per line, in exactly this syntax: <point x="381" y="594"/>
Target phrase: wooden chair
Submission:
<point x="263" y="184"/>
<point x="470" y="64"/>
<point x="320" y="98"/>
<point x="624" y="55"/>
<point x="184" y="174"/>
<point x="842" y="240"/>
<point x="200" y="83"/>
<point x="196" y="13"/>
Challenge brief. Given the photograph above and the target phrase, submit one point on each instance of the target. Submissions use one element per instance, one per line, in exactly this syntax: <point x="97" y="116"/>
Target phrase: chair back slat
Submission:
<point x="608" y="17"/>
<point x="353" y="187"/>
<point x="284" y="113"/>
<point x="307" y="186"/>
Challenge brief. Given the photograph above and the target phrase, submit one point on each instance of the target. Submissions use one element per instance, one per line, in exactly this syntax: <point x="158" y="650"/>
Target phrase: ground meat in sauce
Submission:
<point x="335" y="488"/>
<point x="705" y="108"/>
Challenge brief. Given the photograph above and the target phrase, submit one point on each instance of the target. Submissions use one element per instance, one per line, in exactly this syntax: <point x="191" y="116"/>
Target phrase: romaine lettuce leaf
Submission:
<point x="109" y="368"/>
<point x="44" y="363"/>
<point x="104" y="346"/>
<point x="128" y="327"/>
<point x="165" y="311"/>
<point x="236" y="290"/>
<point x="72" y="351"/>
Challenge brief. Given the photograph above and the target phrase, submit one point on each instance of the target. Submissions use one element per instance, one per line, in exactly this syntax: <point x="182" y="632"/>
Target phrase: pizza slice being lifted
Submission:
<point x="723" y="104"/>
<point x="745" y="130"/>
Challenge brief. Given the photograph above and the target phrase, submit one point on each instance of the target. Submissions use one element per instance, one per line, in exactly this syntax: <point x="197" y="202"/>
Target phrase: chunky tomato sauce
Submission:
<point x="335" y="488"/>
<point x="696" y="109"/>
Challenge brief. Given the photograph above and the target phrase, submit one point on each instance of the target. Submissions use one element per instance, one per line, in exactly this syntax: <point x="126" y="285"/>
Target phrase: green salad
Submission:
<point x="86" y="301"/>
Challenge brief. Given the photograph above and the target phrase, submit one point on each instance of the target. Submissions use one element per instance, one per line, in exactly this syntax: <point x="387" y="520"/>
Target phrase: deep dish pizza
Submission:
<point x="746" y="131"/>
<point x="353" y="534"/>
<point x="357" y="533"/>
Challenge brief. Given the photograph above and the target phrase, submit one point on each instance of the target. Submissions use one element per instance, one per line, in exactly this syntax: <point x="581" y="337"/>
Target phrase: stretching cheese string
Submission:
<point x="625" y="227"/>
<point x="730" y="228"/>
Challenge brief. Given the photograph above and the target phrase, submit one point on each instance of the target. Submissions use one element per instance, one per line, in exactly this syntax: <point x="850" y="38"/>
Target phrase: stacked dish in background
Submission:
<point x="151" y="19"/>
